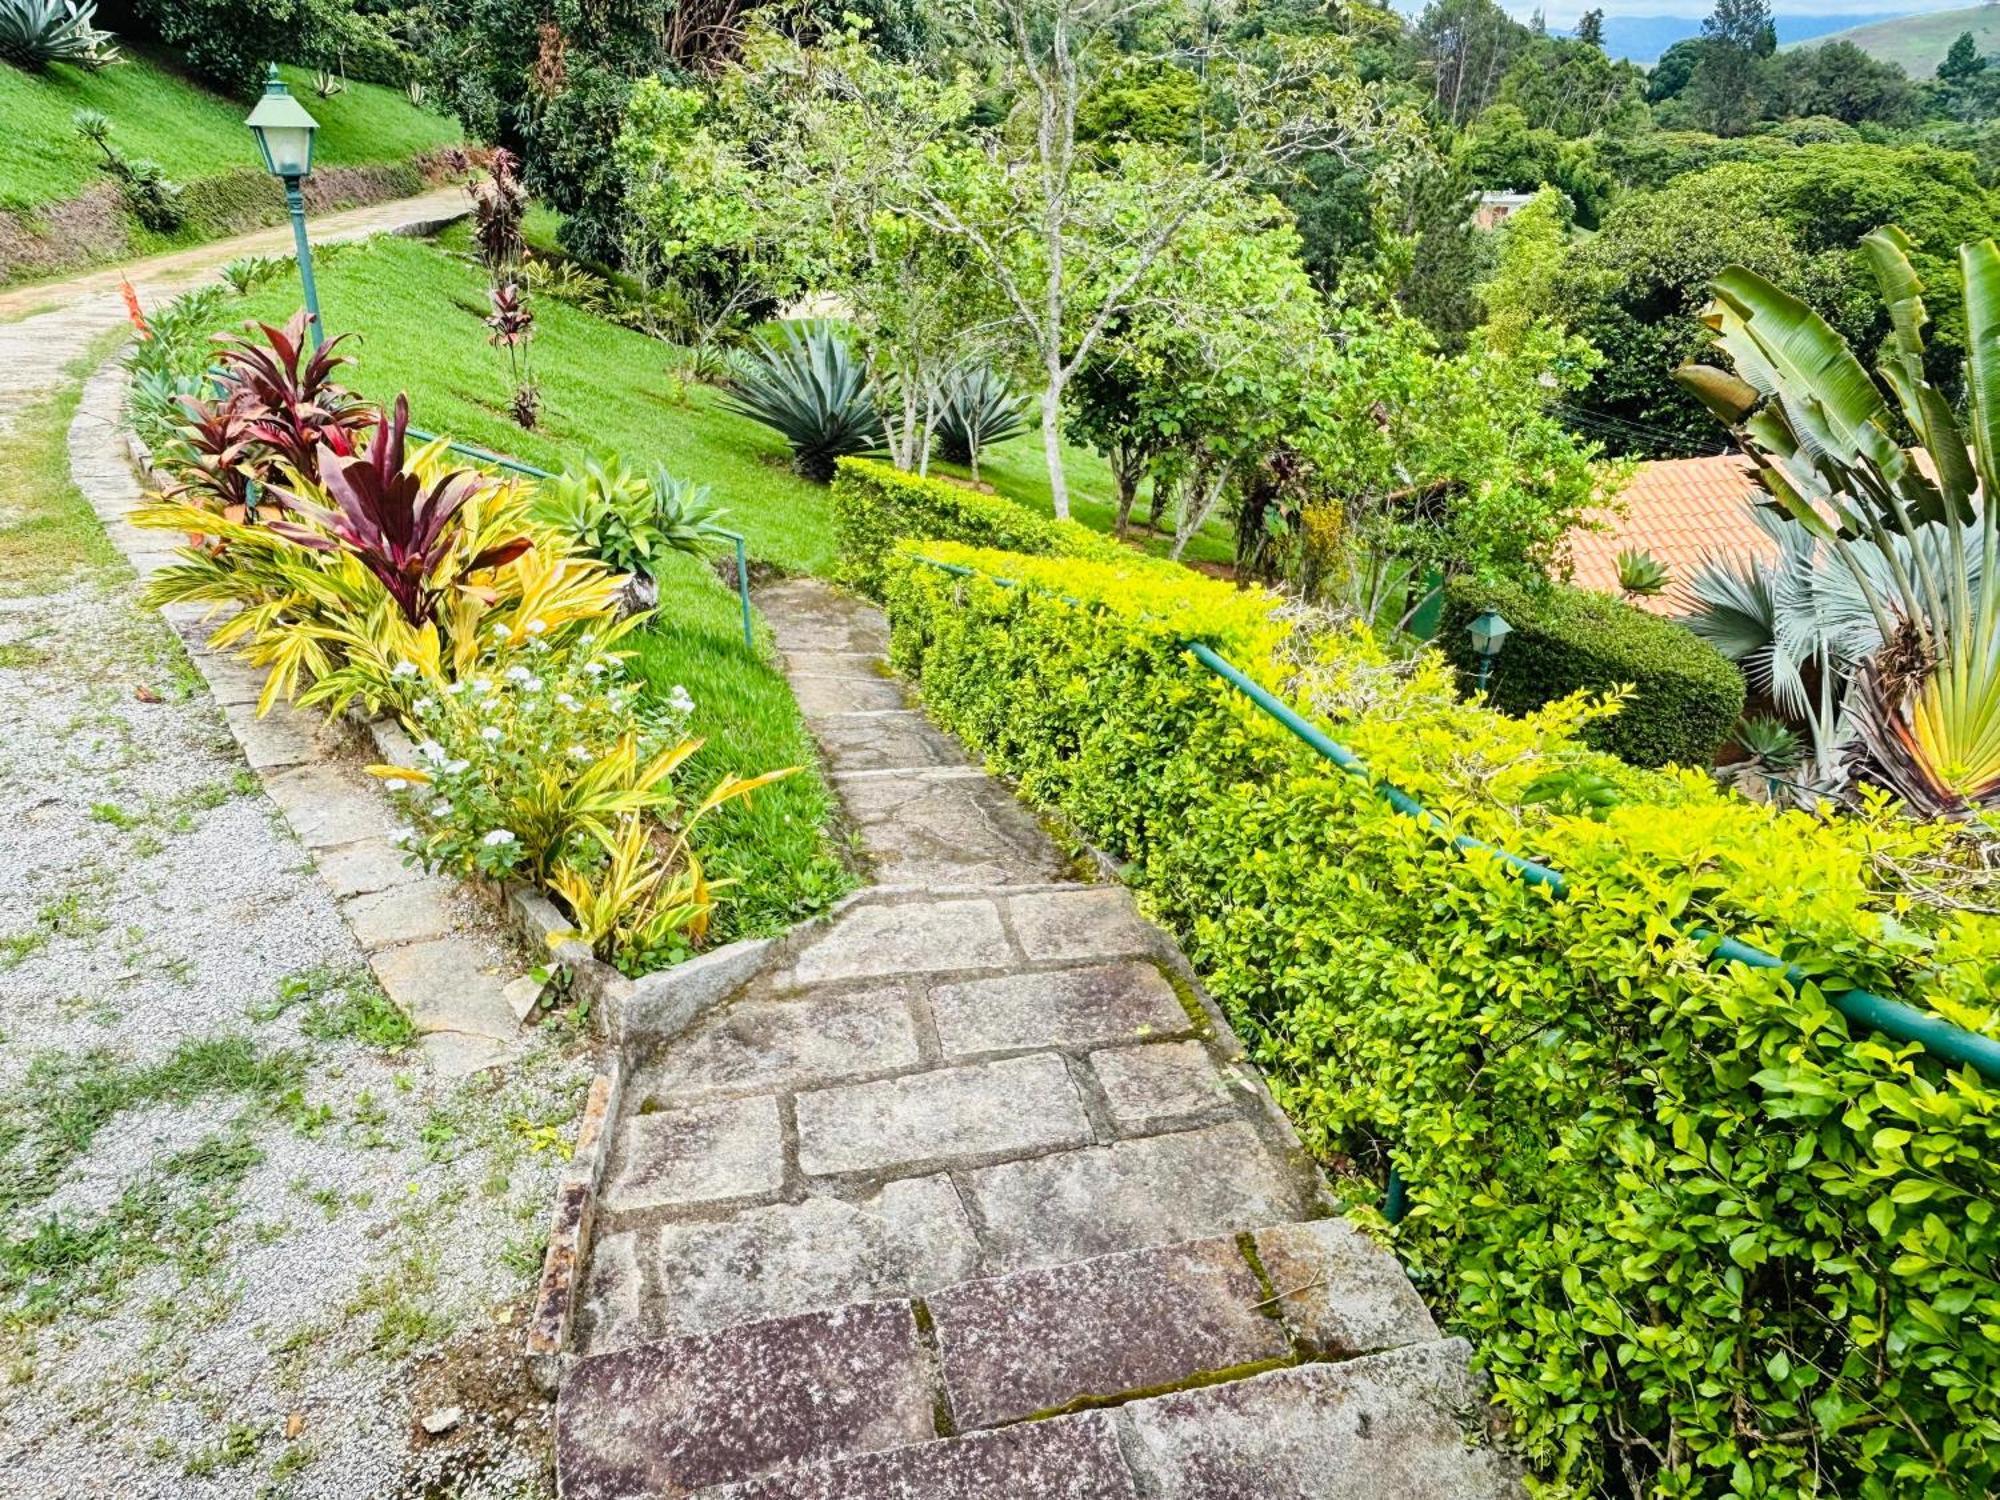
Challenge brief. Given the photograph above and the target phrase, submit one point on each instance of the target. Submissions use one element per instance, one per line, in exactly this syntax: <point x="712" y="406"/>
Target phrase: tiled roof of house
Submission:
<point x="1681" y="510"/>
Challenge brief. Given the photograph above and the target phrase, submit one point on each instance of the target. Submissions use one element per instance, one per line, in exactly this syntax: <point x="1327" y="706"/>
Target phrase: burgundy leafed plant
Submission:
<point x="287" y="393"/>
<point x="217" y="470"/>
<point x="499" y="204"/>
<point x="513" y="324"/>
<point x="400" y="528"/>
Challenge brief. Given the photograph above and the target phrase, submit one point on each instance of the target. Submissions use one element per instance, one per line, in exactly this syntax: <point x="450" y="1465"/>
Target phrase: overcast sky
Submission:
<point x="1563" y="12"/>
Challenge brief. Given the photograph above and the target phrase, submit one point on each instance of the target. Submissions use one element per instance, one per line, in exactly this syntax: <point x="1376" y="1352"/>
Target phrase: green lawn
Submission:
<point x="418" y="311"/>
<point x="192" y="133"/>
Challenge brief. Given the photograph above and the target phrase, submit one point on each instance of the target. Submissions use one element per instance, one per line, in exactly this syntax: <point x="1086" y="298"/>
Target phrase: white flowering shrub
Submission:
<point x="525" y="770"/>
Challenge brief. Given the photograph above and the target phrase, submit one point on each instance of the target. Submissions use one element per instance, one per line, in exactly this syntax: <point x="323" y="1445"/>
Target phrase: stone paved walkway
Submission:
<point x="973" y="1153"/>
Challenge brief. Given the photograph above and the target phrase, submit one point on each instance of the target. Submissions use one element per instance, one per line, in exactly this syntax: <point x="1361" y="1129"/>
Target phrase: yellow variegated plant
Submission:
<point x="328" y="633"/>
<point x="651" y="895"/>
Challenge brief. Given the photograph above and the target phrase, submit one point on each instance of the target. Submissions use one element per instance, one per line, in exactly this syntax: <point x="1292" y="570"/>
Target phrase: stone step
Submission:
<point x="1008" y="1352"/>
<point x="1387" y="1426"/>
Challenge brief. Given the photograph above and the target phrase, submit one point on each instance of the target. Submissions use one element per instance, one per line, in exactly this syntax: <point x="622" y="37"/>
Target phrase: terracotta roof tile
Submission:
<point x="1680" y="510"/>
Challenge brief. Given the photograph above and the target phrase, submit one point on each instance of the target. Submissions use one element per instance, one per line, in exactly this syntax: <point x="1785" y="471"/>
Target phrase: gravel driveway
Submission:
<point x="249" y="1244"/>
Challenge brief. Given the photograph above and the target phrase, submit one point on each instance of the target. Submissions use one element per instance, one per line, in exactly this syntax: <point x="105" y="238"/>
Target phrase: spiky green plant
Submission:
<point x="811" y="390"/>
<point x="35" y="33"/>
<point x="979" y="410"/>
<point x="1828" y="450"/>
<point x="1641" y="574"/>
<point x="1770" y="743"/>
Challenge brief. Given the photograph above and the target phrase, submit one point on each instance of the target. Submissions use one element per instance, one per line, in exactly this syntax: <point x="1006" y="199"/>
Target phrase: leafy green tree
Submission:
<point x="1671" y="74"/>
<point x="1729" y="84"/>
<point x="1962" y="61"/>
<point x="1532" y="246"/>
<point x="1635" y="290"/>
<point x="1467" y="46"/>
<point x="1839" y="80"/>
<point x="1590" y="29"/>
<point x="1573" y="89"/>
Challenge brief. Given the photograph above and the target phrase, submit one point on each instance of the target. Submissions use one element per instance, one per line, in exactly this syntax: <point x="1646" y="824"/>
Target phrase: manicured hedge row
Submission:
<point x="1687" y="695"/>
<point x="876" y="505"/>
<point x="1706" y="1240"/>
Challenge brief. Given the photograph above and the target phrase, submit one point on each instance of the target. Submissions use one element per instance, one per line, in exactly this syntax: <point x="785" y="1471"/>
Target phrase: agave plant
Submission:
<point x="389" y="517"/>
<point x="35" y="33"/>
<point x="287" y="393"/>
<point x="979" y="409"/>
<point x="1826" y="443"/>
<point x="1640" y="574"/>
<point x="813" y="391"/>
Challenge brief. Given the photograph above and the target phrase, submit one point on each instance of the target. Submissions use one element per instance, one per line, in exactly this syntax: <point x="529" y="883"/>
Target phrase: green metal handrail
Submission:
<point x="1892" y="1018"/>
<point x="486" y="455"/>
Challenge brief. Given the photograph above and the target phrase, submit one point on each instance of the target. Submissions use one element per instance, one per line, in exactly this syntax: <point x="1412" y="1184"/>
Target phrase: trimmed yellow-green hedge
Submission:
<point x="1706" y="1238"/>
<point x="876" y="505"/>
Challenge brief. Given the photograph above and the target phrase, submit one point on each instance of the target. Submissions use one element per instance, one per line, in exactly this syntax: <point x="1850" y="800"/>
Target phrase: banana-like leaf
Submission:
<point x="1731" y="399"/>
<point x="1979" y="265"/>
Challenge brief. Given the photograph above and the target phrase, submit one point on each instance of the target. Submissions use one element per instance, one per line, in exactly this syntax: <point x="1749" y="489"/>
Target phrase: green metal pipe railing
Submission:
<point x="1892" y="1018"/>
<point x="514" y="465"/>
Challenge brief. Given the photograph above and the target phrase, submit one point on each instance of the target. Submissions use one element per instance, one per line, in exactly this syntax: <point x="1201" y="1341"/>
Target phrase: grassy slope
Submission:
<point x="417" y="311"/>
<point x="606" y="389"/>
<point x="1920" y="42"/>
<point x="156" y="113"/>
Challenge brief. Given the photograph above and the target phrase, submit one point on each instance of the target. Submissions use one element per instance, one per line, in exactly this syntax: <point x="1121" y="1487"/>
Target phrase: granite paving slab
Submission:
<point x="665" y="1420"/>
<point x="1084" y="1007"/>
<point x="1034" y="1341"/>
<point x="1391" y="1424"/>
<point x="1069" y="1458"/>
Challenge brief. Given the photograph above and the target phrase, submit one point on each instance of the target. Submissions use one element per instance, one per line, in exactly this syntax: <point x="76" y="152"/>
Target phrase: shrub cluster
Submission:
<point x="1707" y="1237"/>
<point x="876" y="505"/>
<point x="364" y="571"/>
<point x="1686" y="698"/>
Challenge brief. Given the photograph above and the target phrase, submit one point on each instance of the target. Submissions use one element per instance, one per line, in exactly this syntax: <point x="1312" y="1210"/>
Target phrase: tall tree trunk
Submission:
<point x="1052" y="447"/>
<point x="1200" y="505"/>
<point x="1127" y="477"/>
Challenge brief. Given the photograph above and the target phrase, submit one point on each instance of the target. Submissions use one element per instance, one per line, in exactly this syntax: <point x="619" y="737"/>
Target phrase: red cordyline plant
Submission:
<point x="513" y="325"/>
<point x="400" y="528"/>
<point x="499" y="204"/>
<point x="217" y="469"/>
<point x="287" y="394"/>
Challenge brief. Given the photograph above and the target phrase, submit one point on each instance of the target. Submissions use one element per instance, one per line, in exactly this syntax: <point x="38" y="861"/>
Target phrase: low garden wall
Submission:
<point x="1706" y="1237"/>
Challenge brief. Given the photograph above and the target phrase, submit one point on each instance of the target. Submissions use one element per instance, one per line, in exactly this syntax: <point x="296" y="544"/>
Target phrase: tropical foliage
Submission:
<point x="371" y="573"/>
<point x="1829" y="451"/>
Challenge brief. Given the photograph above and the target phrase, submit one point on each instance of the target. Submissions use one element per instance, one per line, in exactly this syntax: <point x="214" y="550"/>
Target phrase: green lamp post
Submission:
<point x="1489" y="631"/>
<point x="284" y="134"/>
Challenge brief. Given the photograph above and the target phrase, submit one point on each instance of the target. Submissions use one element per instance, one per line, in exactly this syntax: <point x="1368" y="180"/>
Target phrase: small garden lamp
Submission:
<point x="1489" y="631"/>
<point x="284" y="134"/>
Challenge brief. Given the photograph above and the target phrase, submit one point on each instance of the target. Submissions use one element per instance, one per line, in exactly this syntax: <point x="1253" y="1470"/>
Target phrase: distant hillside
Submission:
<point x="1643" y="38"/>
<point x="1919" y="43"/>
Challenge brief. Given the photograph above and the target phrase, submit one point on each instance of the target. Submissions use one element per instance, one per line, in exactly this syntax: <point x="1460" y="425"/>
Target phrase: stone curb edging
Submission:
<point x="405" y="920"/>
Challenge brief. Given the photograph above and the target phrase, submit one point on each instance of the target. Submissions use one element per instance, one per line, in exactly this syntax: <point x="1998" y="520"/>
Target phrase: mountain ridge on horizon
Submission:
<point x="1641" y="39"/>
